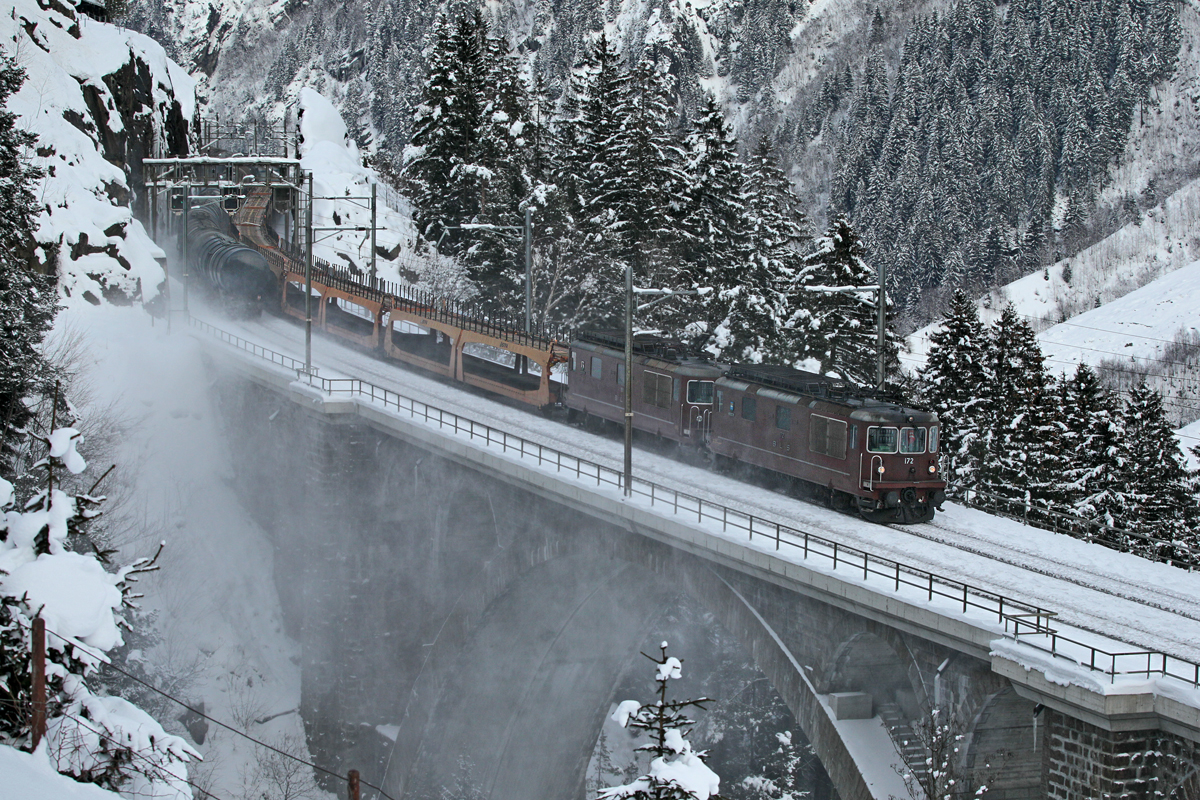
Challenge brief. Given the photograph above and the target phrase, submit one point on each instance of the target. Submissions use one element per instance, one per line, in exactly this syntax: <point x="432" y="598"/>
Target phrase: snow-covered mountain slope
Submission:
<point x="99" y="98"/>
<point x="1138" y="327"/>
<point x="342" y="188"/>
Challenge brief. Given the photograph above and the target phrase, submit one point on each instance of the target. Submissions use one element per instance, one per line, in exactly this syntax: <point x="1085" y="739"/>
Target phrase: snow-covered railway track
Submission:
<point x="1166" y="600"/>
<point x="1141" y="603"/>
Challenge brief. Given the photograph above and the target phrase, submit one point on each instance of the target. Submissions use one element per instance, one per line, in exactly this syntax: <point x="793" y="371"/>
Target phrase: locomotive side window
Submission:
<point x="675" y="392"/>
<point x="933" y="443"/>
<point x="853" y="437"/>
<point x="596" y="368"/>
<point x="656" y="390"/>
<point x="912" y="440"/>
<point x="783" y="418"/>
<point x="882" y="440"/>
<point x="574" y="367"/>
<point x="700" y="392"/>
<point x="749" y="408"/>
<point x="620" y="374"/>
<point x="827" y="436"/>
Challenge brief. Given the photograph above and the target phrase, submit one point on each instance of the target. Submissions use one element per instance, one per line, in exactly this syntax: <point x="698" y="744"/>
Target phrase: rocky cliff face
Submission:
<point x="99" y="99"/>
<point x="767" y="61"/>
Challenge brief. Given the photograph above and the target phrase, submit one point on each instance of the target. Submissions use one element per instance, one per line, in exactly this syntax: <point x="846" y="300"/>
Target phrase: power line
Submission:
<point x="211" y="719"/>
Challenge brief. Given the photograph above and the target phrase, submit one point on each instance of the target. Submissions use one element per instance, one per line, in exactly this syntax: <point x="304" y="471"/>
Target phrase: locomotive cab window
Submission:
<point x="933" y="436"/>
<point x="596" y="368"/>
<point x="749" y="408"/>
<point x="700" y="392"/>
<point x="783" y="418"/>
<point x="620" y="374"/>
<point x="574" y="367"/>
<point x="882" y="440"/>
<point x="912" y="440"/>
<point x="826" y="436"/>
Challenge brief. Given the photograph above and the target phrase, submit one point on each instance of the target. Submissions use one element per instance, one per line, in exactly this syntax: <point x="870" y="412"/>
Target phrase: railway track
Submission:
<point x="1180" y="604"/>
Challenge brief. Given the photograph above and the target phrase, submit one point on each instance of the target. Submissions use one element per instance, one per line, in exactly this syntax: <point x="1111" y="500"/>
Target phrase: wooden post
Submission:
<point x="353" y="788"/>
<point x="38" y="716"/>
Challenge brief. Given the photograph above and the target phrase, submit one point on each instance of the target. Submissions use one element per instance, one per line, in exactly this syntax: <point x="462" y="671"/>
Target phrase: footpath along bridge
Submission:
<point x="1075" y="668"/>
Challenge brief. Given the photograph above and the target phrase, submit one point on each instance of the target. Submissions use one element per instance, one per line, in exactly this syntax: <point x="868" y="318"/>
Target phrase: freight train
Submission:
<point x="854" y="448"/>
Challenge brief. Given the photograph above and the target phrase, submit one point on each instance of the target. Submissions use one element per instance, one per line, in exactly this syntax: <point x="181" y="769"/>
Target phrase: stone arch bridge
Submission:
<point x="485" y="611"/>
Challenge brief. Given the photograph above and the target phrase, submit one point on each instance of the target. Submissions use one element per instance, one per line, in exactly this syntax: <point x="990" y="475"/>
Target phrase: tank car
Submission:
<point x="238" y="275"/>
<point x="870" y="453"/>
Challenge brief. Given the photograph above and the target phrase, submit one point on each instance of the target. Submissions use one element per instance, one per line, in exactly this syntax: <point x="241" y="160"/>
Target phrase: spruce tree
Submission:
<point x="716" y="246"/>
<point x="844" y="326"/>
<point x="761" y="318"/>
<point x="1157" y="498"/>
<point x="28" y="300"/>
<point x="953" y="385"/>
<point x="1020" y="436"/>
<point x="677" y="772"/>
<point x="638" y="203"/>
<point x="1092" y="455"/>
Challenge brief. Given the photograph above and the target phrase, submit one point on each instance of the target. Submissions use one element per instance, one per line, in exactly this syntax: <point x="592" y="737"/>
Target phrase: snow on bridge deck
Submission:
<point x="1109" y="600"/>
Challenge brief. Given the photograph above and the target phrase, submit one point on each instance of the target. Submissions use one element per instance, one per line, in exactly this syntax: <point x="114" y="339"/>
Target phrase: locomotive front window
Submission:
<point x="700" y="392"/>
<point x="783" y="418"/>
<point x="596" y="368"/>
<point x="933" y="442"/>
<point x="882" y="440"/>
<point x="749" y="408"/>
<point x="912" y="440"/>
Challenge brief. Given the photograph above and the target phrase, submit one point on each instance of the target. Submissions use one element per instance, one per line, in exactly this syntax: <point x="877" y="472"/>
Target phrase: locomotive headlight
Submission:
<point x="880" y="469"/>
<point x="932" y="468"/>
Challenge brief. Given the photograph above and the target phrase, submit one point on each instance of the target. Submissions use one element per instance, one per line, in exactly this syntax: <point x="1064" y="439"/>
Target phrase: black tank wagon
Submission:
<point x="238" y="275"/>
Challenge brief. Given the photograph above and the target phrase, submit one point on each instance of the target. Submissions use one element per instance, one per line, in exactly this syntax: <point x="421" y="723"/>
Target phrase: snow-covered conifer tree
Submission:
<point x="638" y="206"/>
<point x="1019" y="438"/>
<point x="1157" y="487"/>
<point x="716" y="241"/>
<point x="43" y="573"/>
<point x="844" y="326"/>
<point x="779" y="234"/>
<point x="1093" y="450"/>
<point x="676" y="771"/>
<point x="27" y="300"/>
<point x="953" y="384"/>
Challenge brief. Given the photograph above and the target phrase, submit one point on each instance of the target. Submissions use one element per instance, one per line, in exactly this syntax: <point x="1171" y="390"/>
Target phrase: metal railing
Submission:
<point x="1029" y="624"/>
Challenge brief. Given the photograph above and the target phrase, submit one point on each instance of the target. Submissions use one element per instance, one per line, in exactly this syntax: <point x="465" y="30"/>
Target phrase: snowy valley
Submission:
<point x="288" y="573"/>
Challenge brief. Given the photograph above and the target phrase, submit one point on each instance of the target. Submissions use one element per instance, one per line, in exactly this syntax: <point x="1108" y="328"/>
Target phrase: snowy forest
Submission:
<point x="616" y="182"/>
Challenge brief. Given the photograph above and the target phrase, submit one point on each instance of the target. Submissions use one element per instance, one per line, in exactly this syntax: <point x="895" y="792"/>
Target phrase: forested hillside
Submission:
<point x="967" y="142"/>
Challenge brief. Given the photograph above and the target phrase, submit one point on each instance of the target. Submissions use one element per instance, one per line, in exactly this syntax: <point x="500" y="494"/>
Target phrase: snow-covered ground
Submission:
<point x="1112" y="596"/>
<point x="1136" y="327"/>
<point x="219" y="614"/>
<point x="31" y="775"/>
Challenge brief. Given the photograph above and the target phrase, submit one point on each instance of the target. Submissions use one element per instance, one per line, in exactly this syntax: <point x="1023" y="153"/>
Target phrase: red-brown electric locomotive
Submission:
<point x="858" y="449"/>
